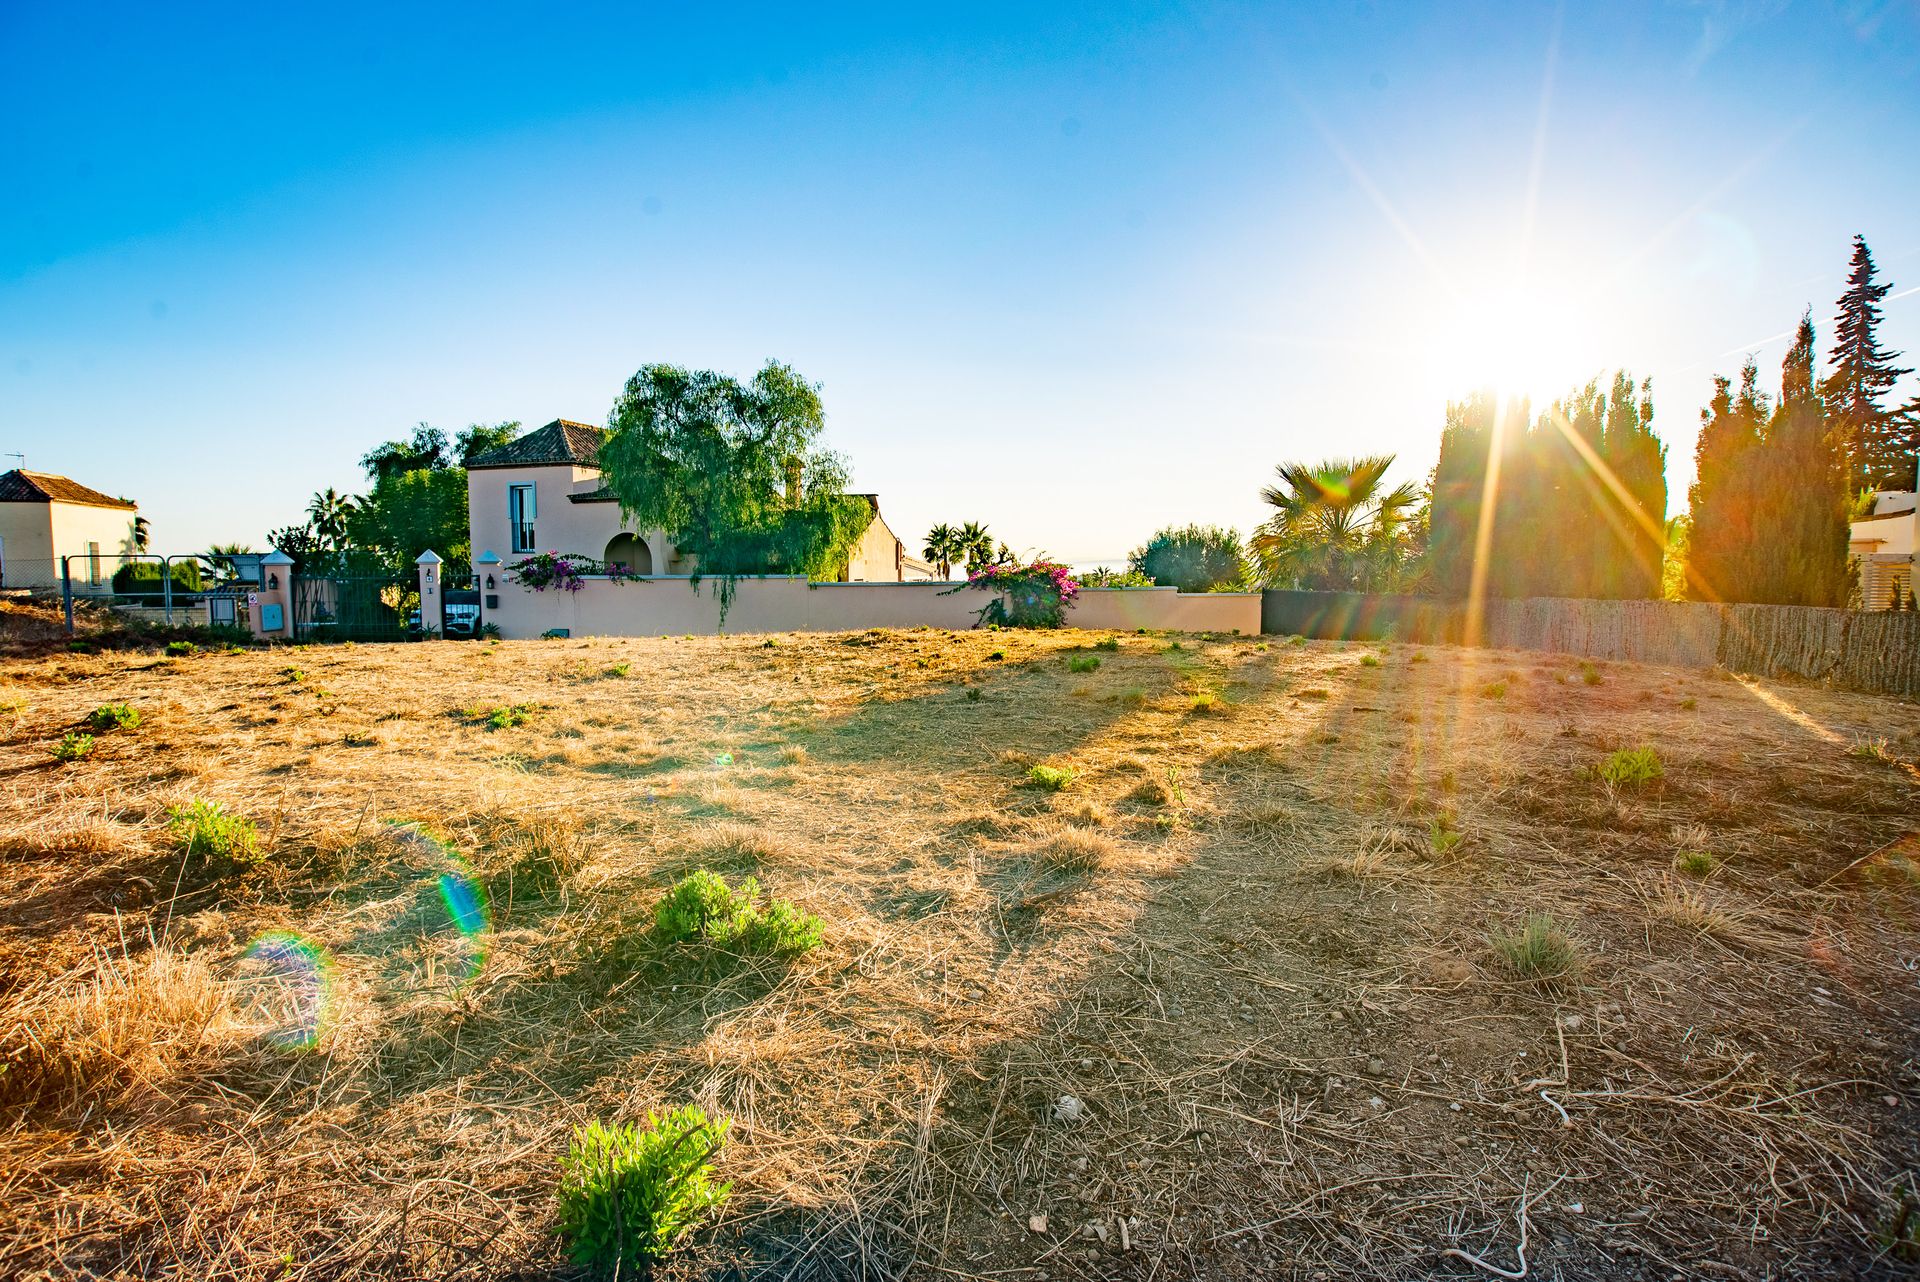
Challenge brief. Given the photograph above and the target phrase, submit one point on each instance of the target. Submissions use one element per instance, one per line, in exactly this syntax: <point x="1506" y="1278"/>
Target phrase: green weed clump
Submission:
<point x="702" y="908"/>
<point x="114" y="716"/>
<point x="513" y="714"/>
<point x="1689" y="703"/>
<point x="1695" y="863"/>
<point x="997" y="656"/>
<point x="629" y="1193"/>
<point x="1631" y="767"/>
<point x="1207" y="704"/>
<point x="1590" y="675"/>
<point x="1082" y="663"/>
<point x="1540" y="949"/>
<point x="181" y="649"/>
<point x="72" y="747"/>
<point x="295" y="675"/>
<point x="620" y="669"/>
<point x="1107" y="643"/>
<point x="1369" y="660"/>
<point x="1443" y="834"/>
<point x="1050" y="778"/>
<point x="1871" y="750"/>
<point x="205" y="830"/>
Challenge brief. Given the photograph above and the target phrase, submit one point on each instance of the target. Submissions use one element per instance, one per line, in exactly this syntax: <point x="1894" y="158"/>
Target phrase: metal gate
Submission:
<point x="366" y="607"/>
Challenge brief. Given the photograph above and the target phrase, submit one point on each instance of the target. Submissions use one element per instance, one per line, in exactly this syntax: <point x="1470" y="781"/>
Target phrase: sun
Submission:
<point x="1518" y="339"/>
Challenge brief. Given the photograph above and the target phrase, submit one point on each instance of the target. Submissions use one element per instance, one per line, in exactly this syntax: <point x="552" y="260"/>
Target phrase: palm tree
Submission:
<point x="943" y="548"/>
<point x="328" y="513"/>
<point x="976" y="545"/>
<point x="142" y="533"/>
<point x="1336" y="527"/>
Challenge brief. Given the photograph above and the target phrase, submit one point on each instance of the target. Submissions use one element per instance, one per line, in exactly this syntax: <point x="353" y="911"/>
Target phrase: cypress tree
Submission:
<point x="1638" y="462"/>
<point x="1876" y="441"/>
<point x="1801" y="512"/>
<point x="1720" y="505"/>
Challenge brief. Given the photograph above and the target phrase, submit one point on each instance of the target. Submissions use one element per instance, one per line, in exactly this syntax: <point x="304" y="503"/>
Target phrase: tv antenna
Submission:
<point x="21" y="457"/>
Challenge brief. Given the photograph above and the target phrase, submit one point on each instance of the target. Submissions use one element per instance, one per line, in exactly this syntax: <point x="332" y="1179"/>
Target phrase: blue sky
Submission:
<point x="1075" y="272"/>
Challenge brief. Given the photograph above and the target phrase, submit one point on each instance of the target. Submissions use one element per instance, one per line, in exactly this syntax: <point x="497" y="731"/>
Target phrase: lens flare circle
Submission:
<point x="287" y="982"/>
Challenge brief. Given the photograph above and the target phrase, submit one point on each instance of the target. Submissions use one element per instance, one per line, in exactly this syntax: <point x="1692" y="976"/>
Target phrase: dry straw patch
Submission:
<point x="1290" y="1044"/>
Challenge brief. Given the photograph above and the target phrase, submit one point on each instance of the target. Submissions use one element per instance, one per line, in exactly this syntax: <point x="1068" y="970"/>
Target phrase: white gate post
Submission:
<point x="432" y="615"/>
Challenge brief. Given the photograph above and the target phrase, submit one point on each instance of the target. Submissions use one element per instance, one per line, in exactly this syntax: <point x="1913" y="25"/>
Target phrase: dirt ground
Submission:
<point x="1228" y="1005"/>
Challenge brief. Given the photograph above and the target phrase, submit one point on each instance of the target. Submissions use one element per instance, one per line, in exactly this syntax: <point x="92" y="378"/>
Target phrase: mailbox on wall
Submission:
<point x="273" y="617"/>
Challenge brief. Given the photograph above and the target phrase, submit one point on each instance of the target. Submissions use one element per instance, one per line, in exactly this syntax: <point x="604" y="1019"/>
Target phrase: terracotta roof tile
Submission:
<point x="20" y="486"/>
<point x="561" y="441"/>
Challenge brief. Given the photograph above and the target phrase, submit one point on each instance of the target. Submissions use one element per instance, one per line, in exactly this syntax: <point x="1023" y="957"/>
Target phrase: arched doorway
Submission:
<point x="630" y="551"/>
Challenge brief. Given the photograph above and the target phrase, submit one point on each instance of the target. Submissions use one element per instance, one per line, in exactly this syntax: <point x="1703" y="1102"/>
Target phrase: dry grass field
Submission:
<point x="1230" y="1004"/>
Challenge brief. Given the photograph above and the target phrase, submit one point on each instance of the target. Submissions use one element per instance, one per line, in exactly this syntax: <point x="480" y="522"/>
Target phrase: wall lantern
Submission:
<point x="489" y="583"/>
<point x="273" y="583"/>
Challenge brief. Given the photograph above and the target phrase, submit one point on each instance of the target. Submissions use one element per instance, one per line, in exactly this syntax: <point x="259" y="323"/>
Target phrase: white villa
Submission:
<point x="44" y="517"/>
<point x="1884" y="544"/>
<point x="542" y="492"/>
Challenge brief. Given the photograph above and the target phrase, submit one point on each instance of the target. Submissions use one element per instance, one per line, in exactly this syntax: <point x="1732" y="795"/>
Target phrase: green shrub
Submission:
<point x="973" y="694"/>
<point x="1443" y="834"/>
<point x="1369" y="660"/>
<point x="72" y="747"/>
<point x="114" y="716"/>
<point x="1540" y="949"/>
<point x="1082" y="663"/>
<point x="1418" y="656"/>
<point x="142" y="578"/>
<point x="1107" y="643"/>
<point x="505" y="718"/>
<point x="1871" y="750"/>
<point x="180" y="649"/>
<point x="1631" y="767"/>
<point x="1050" y="778"/>
<point x="996" y="656"/>
<point x="1296" y="639"/>
<point x="1590" y="674"/>
<point x="204" y="830"/>
<point x="620" y="669"/>
<point x="1695" y="863"/>
<point x="1171" y="646"/>
<point x="1207" y="704"/>
<point x="295" y="675"/>
<point x="702" y="908"/>
<point x="488" y="632"/>
<point x="627" y="1194"/>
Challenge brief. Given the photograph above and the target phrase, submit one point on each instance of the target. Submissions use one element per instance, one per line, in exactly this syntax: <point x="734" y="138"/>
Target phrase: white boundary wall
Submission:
<point x="669" y="606"/>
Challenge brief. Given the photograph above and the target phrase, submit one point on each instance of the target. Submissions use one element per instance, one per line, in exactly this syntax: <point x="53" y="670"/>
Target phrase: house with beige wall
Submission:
<point x="543" y="492"/>
<point x="44" y="517"/>
<point x="1883" y="544"/>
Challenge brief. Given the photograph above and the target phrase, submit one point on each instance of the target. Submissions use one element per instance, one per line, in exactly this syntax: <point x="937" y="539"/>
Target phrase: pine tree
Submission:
<point x="1863" y="373"/>
<point x="1800" y="536"/>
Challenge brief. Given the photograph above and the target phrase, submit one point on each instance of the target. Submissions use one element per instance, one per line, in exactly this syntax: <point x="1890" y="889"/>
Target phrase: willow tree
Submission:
<point x="733" y="472"/>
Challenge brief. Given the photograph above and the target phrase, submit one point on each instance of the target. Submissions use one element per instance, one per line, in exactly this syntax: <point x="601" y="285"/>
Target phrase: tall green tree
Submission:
<point x="1578" y="497"/>
<point x="408" y="513"/>
<point x="1724" y="502"/>
<point x="1192" y="558"/>
<point x="1636" y="463"/>
<point x="977" y="546"/>
<point x="733" y="472"/>
<point x="1801" y="518"/>
<point x="1863" y="373"/>
<point x="943" y="548"/>
<point x="1336" y="526"/>
<point x="328" y="512"/>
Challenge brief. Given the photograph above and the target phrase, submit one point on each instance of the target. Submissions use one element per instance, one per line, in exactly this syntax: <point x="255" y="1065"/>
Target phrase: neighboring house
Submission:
<point x="543" y="492"/>
<point x="44" y="517"/>
<point x="1884" y="544"/>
